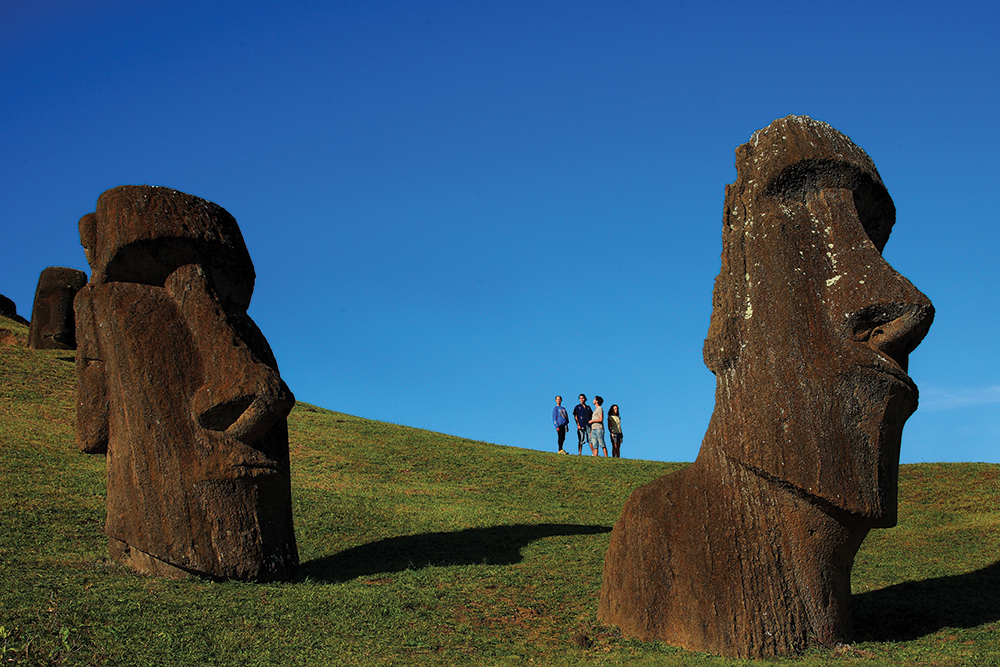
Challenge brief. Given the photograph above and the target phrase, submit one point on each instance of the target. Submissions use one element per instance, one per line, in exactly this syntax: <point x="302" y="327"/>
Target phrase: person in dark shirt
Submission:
<point x="582" y="413"/>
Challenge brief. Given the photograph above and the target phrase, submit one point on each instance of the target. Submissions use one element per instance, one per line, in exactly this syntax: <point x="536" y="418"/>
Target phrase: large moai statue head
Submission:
<point x="811" y="328"/>
<point x="52" y="323"/>
<point x="748" y="552"/>
<point x="180" y="388"/>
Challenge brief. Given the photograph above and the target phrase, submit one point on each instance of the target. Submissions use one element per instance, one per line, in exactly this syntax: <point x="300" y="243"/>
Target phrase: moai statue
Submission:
<point x="748" y="551"/>
<point x="9" y="310"/>
<point x="179" y="387"/>
<point x="52" y="325"/>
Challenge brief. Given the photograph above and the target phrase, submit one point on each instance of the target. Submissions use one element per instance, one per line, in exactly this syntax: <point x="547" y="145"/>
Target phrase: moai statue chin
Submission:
<point x="179" y="387"/>
<point x="748" y="551"/>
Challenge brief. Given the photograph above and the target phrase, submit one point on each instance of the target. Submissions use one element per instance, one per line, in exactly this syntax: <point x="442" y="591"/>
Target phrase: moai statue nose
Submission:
<point x="893" y="330"/>
<point x="241" y="393"/>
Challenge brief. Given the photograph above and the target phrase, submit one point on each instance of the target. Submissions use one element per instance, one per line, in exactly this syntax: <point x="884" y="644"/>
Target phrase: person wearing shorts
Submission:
<point x="597" y="428"/>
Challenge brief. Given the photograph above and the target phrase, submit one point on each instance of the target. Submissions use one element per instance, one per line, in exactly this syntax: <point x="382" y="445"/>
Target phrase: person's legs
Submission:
<point x="561" y="433"/>
<point x="596" y="439"/>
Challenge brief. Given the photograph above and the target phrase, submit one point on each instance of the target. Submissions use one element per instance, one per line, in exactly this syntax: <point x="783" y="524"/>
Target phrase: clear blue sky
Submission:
<point x="457" y="210"/>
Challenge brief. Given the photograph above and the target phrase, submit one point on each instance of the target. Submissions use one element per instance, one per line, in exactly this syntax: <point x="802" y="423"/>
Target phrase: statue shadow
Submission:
<point x="917" y="608"/>
<point x="496" y="545"/>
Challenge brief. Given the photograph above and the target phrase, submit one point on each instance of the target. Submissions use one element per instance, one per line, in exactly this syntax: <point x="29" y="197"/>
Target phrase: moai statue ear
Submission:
<point x="88" y="239"/>
<point x="722" y="344"/>
<point x="91" y="381"/>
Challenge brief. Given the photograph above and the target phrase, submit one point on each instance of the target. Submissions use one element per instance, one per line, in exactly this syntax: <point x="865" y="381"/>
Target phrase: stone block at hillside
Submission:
<point x="52" y="322"/>
<point x="748" y="551"/>
<point x="180" y="388"/>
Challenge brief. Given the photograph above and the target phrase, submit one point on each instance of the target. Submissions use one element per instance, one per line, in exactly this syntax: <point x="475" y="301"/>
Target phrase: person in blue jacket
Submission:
<point x="560" y="419"/>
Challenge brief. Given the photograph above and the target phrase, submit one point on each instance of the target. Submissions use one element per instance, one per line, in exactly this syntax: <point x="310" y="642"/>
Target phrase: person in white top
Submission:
<point x="597" y="428"/>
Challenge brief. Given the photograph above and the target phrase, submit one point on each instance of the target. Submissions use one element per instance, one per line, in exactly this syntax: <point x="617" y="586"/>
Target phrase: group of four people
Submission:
<point x="589" y="426"/>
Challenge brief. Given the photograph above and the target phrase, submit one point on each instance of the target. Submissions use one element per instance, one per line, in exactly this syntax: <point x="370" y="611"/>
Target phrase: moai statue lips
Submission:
<point x="180" y="388"/>
<point x="748" y="551"/>
<point x="52" y="325"/>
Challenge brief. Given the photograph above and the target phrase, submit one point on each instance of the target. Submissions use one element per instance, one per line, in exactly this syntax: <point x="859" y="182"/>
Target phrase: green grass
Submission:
<point x="422" y="548"/>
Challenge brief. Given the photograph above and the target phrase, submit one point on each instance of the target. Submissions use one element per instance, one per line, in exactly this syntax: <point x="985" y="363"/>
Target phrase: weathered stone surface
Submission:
<point x="9" y="310"/>
<point x="53" y="326"/>
<point x="748" y="551"/>
<point x="178" y="385"/>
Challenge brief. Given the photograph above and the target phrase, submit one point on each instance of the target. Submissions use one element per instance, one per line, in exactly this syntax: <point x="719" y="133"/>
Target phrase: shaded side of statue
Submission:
<point x="748" y="551"/>
<point x="52" y="324"/>
<point x="179" y="387"/>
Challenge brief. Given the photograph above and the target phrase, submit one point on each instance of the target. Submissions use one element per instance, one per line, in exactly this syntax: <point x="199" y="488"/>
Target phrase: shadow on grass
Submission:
<point x="916" y="608"/>
<point x="497" y="545"/>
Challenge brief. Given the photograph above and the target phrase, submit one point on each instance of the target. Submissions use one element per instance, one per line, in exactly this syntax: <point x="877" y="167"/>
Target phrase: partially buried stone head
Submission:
<point x="180" y="388"/>
<point x="748" y="551"/>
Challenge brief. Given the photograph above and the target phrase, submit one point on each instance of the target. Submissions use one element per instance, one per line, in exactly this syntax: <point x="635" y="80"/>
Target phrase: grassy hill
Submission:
<point x="423" y="548"/>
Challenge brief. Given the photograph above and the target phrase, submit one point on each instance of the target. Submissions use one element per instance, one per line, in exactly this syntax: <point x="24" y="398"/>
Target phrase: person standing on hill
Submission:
<point x="615" y="429"/>
<point x="582" y="413"/>
<point x="560" y="419"/>
<point x="597" y="428"/>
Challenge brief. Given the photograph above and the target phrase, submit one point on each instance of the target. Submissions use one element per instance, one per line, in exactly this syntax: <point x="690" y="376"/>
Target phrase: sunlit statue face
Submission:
<point x="197" y="443"/>
<point x="812" y="328"/>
